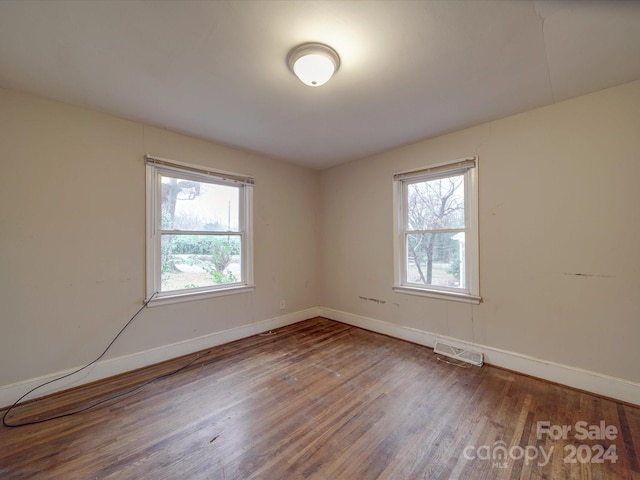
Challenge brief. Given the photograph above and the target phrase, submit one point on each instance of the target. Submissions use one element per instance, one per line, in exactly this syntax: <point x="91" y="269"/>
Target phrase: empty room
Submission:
<point x="256" y="239"/>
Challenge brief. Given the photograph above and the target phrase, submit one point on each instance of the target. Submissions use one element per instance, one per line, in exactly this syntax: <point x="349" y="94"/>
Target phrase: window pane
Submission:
<point x="436" y="204"/>
<point x="192" y="261"/>
<point x="190" y="205"/>
<point x="436" y="259"/>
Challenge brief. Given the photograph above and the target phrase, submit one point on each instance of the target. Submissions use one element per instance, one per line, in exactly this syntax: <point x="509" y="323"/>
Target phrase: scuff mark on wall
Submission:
<point x="378" y="301"/>
<point x="375" y="300"/>
<point x="589" y="275"/>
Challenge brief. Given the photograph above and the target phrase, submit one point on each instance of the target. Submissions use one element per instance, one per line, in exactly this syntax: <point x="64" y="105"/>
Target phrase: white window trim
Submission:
<point x="472" y="252"/>
<point x="153" y="196"/>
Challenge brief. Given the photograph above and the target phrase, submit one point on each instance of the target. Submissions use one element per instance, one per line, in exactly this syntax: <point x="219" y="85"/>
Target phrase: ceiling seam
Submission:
<point x="546" y="54"/>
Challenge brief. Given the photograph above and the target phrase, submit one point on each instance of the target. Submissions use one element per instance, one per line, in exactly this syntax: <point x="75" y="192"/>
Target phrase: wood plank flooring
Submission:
<point x="322" y="400"/>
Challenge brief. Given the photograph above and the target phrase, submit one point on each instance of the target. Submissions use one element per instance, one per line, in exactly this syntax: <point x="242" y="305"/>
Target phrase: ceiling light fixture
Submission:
<point x="313" y="63"/>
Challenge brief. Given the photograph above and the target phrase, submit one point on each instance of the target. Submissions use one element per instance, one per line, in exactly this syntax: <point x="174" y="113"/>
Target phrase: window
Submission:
<point x="199" y="240"/>
<point x="436" y="231"/>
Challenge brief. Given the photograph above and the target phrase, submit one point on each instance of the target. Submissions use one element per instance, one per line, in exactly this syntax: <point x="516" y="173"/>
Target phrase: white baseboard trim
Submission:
<point x="597" y="383"/>
<point x="586" y="380"/>
<point x="114" y="366"/>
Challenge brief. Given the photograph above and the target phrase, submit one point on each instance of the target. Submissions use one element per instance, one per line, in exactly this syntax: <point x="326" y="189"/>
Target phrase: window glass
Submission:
<point x="199" y="206"/>
<point x="436" y="238"/>
<point x="436" y="204"/>
<point x="198" y="232"/>
<point x="195" y="261"/>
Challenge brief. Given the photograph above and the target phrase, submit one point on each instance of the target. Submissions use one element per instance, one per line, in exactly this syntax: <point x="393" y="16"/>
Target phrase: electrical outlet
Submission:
<point x="283" y="304"/>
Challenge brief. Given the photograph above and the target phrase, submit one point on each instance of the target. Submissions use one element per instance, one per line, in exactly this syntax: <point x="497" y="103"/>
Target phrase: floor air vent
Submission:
<point x="458" y="353"/>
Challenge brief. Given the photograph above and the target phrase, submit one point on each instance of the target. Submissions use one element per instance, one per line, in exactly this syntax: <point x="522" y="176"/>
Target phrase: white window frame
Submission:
<point x="469" y="168"/>
<point x="155" y="167"/>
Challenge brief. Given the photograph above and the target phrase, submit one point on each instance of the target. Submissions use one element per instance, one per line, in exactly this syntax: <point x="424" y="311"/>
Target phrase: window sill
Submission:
<point x="439" y="294"/>
<point x="167" y="298"/>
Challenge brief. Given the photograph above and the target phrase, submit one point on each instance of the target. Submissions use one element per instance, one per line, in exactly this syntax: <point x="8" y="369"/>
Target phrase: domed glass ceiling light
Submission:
<point x="313" y="63"/>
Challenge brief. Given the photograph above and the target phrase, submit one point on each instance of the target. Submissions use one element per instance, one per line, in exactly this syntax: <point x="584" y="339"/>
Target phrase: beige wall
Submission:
<point x="559" y="233"/>
<point x="559" y="229"/>
<point x="72" y="233"/>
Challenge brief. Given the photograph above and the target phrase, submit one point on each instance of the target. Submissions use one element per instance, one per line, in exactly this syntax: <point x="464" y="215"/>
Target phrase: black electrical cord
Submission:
<point x="104" y="400"/>
<point x="68" y="414"/>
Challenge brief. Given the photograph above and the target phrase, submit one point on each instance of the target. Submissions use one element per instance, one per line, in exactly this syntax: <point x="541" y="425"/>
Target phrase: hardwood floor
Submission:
<point x="323" y="400"/>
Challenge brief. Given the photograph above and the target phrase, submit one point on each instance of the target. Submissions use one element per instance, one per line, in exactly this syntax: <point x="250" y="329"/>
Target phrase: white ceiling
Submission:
<point x="410" y="69"/>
